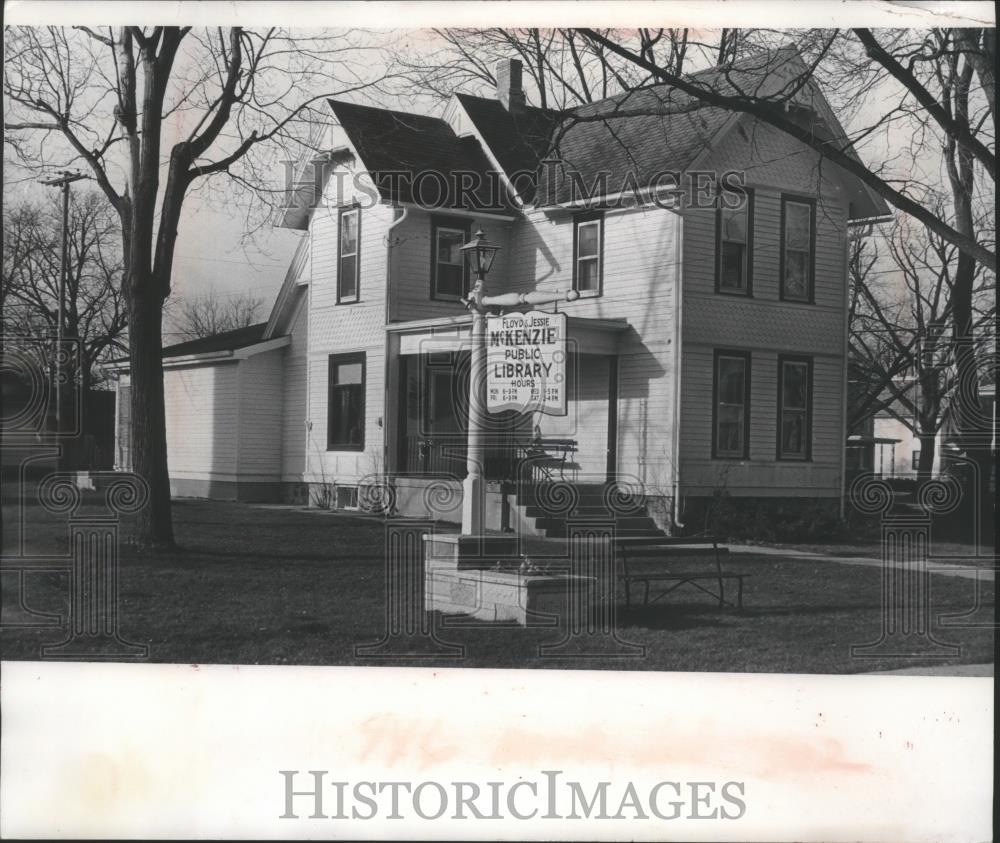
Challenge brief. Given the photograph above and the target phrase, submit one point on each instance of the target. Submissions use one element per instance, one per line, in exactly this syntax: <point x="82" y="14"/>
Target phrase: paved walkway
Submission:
<point x="939" y="670"/>
<point x="984" y="574"/>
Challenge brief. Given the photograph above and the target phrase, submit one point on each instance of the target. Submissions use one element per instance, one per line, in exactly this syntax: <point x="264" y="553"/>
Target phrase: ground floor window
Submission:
<point x="346" y="417"/>
<point x="794" y="408"/>
<point x="732" y="405"/>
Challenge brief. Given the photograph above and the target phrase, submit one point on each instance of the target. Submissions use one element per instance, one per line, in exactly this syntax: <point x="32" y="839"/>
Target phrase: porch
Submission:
<point x="428" y="396"/>
<point x="427" y="420"/>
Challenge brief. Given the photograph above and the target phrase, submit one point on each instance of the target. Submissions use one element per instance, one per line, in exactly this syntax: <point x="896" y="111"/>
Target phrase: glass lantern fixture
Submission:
<point x="479" y="254"/>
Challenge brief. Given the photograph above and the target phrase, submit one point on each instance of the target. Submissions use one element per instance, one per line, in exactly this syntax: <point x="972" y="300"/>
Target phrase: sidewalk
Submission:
<point x="939" y="670"/>
<point x="950" y="570"/>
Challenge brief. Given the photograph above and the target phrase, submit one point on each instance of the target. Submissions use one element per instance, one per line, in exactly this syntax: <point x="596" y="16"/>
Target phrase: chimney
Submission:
<point x="509" y="90"/>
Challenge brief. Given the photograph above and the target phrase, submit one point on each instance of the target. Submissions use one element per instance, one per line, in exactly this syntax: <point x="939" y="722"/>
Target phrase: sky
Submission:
<point x="213" y="255"/>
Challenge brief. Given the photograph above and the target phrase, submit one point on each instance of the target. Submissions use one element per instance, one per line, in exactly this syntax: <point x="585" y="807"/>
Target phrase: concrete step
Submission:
<point x="555" y="528"/>
<point x="589" y="501"/>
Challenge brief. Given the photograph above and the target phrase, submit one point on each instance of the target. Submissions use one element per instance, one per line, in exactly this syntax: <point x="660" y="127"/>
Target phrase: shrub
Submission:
<point x="776" y="520"/>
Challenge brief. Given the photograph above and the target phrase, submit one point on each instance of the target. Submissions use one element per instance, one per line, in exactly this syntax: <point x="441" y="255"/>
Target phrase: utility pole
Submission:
<point x="63" y="180"/>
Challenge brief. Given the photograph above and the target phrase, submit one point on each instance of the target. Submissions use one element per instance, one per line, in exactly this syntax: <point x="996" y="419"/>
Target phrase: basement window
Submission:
<point x="347" y="497"/>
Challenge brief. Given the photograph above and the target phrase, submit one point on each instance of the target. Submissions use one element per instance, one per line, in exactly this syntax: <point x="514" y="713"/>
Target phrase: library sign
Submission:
<point x="526" y="363"/>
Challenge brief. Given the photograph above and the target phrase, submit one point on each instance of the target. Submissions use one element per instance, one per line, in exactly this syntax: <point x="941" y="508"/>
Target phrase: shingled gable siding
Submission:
<point x="341" y="328"/>
<point x="765" y="326"/>
<point x="640" y="269"/>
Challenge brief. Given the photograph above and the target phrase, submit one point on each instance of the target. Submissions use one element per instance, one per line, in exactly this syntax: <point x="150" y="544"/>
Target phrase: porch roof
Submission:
<point x="452" y="333"/>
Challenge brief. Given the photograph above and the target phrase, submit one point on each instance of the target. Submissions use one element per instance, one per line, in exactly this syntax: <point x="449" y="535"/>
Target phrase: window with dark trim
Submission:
<point x="798" y="248"/>
<point x="731" y="405"/>
<point x="346" y="409"/>
<point x="794" y="408"/>
<point x="349" y="255"/>
<point x="915" y="461"/>
<point x="588" y="253"/>
<point x="734" y="248"/>
<point x="449" y="274"/>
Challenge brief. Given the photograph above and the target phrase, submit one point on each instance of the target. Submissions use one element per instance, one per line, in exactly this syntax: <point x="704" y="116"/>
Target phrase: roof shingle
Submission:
<point x="226" y="341"/>
<point x="393" y="142"/>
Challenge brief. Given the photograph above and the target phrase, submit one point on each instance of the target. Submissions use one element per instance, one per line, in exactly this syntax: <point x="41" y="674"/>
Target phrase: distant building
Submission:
<point x="889" y="447"/>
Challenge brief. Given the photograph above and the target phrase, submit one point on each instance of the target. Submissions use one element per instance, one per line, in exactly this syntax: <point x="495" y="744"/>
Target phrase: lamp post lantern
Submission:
<point x="479" y="254"/>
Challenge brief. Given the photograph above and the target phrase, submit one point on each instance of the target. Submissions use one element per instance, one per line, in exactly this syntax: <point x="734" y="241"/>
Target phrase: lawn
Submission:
<point x="257" y="585"/>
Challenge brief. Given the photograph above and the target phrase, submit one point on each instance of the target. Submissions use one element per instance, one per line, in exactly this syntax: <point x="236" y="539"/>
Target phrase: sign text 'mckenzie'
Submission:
<point x="526" y="363"/>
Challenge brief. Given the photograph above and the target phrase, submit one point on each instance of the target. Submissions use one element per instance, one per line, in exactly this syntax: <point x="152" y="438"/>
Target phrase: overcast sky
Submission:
<point x="213" y="254"/>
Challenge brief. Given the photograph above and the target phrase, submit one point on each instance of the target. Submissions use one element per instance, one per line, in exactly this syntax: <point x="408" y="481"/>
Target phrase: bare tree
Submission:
<point x="562" y="67"/>
<point x="94" y="306"/>
<point x="900" y="331"/>
<point x="937" y="69"/>
<point x="154" y="112"/>
<point x="210" y="314"/>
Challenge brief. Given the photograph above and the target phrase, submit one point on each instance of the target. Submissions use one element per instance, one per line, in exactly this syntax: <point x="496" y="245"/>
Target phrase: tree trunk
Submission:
<point x="925" y="463"/>
<point x="972" y="434"/>
<point x="154" y="526"/>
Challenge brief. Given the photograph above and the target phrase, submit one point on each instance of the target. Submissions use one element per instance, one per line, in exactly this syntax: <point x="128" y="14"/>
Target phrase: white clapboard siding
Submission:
<point x="764" y="325"/>
<point x="640" y="267"/>
<point x="411" y="265"/>
<point x="202" y="415"/>
<point x="294" y="409"/>
<point x="262" y="395"/>
<point x="343" y="328"/>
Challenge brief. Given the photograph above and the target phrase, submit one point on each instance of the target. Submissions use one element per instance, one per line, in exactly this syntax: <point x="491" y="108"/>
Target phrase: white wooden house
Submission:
<point x="707" y="348"/>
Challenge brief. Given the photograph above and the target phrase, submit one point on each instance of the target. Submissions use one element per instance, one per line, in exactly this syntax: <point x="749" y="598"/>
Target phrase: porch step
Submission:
<point x="624" y="526"/>
<point x="546" y="507"/>
<point x="588" y="500"/>
<point x="592" y="511"/>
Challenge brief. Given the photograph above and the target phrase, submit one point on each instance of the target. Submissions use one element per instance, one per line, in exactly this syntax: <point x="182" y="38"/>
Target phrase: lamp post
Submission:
<point x="479" y="254"/>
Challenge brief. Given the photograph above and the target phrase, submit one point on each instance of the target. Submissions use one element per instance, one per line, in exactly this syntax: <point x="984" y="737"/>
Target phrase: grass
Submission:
<point x="256" y="585"/>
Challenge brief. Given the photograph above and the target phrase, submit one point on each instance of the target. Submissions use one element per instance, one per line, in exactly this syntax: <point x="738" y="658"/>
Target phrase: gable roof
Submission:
<point x="395" y="141"/>
<point x="641" y="132"/>
<point x="226" y="341"/>
<point x="626" y="140"/>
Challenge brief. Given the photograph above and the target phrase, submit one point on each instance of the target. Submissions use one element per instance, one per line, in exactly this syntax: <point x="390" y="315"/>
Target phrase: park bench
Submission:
<point x="631" y="551"/>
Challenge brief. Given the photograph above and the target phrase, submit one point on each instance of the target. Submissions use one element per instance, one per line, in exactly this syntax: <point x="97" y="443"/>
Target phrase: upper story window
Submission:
<point x="734" y="248"/>
<point x="588" y="253"/>
<point x="449" y="274"/>
<point x="731" y="427"/>
<point x="794" y="408"/>
<point x="346" y="405"/>
<point x="798" y="244"/>
<point x="349" y="255"/>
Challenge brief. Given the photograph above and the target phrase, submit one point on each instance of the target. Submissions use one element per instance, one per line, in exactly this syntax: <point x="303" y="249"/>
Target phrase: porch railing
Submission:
<point x="507" y="457"/>
<point x="445" y="455"/>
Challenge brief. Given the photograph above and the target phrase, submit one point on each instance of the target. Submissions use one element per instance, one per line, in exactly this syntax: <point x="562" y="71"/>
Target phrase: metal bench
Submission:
<point x="548" y="456"/>
<point x="628" y="550"/>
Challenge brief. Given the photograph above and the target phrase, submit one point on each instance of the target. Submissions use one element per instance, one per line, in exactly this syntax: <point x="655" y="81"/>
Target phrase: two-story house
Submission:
<point x="706" y="350"/>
